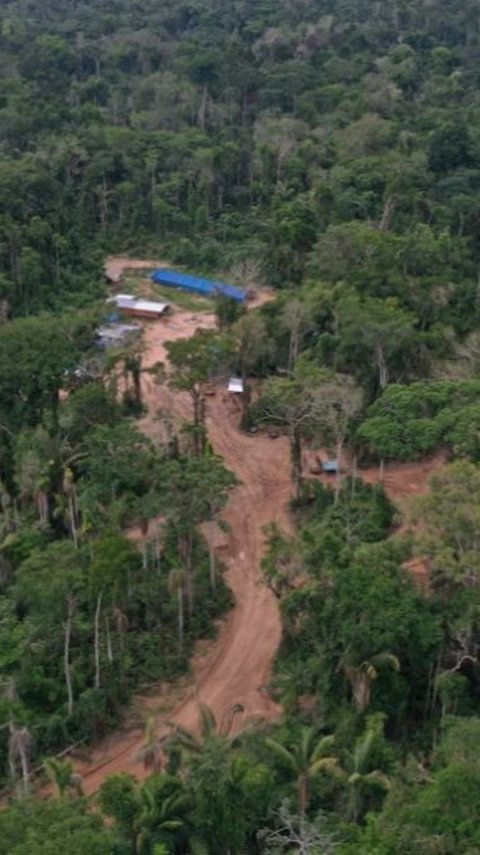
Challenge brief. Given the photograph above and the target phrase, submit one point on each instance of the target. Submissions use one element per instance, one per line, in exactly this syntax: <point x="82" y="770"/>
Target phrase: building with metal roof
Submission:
<point x="137" y="307"/>
<point x="205" y="287"/>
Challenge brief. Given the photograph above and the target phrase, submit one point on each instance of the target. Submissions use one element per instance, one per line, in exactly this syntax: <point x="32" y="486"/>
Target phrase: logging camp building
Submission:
<point x="197" y="285"/>
<point x="135" y="307"/>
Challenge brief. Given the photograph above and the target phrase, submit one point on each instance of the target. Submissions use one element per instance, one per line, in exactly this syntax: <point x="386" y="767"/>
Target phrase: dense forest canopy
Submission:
<point x="330" y="149"/>
<point x="329" y="137"/>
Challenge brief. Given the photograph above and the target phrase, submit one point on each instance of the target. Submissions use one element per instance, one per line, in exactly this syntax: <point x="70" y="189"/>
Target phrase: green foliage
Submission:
<point x="356" y="624"/>
<point x="53" y="828"/>
<point x="406" y="422"/>
<point x="70" y="576"/>
<point x="440" y="812"/>
<point x="330" y="150"/>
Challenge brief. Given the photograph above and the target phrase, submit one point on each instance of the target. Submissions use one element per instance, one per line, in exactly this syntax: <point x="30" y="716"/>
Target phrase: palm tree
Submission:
<point x="360" y="775"/>
<point x="305" y="761"/>
<point x="66" y="505"/>
<point x="362" y="676"/>
<point x="61" y="773"/>
<point x="155" y="816"/>
<point x="209" y="729"/>
<point x="151" y="751"/>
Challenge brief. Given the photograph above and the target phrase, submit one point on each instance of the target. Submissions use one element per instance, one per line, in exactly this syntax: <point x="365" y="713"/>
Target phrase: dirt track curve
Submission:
<point x="236" y="666"/>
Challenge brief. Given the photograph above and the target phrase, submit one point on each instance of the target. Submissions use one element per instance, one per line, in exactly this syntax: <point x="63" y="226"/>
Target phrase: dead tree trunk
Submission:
<point x="211" y="549"/>
<point x="338" y="475"/>
<point x="97" y="639"/>
<point x="71" y="605"/>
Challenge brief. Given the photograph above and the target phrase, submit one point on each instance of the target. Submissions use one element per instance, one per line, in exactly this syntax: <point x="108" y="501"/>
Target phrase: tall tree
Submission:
<point x="308" y="757"/>
<point x="195" y="361"/>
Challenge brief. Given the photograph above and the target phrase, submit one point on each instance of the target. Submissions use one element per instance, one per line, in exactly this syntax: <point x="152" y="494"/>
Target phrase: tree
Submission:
<point x="229" y="791"/>
<point x="117" y="469"/>
<point x="151" y="751"/>
<point x="118" y="799"/>
<point x="217" y="482"/>
<point x="305" y="835"/>
<point x="251" y="345"/>
<point x="196" y="490"/>
<point x="437" y="808"/>
<point x="50" y="584"/>
<point x="113" y="560"/>
<point x="449" y="541"/>
<point x="35" y="353"/>
<point x="380" y="327"/>
<point x="450" y="147"/>
<point x="53" y="827"/>
<point x="282" y="563"/>
<point x="227" y="311"/>
<point x="308" y="757"/>
<point x="296" y="318"/>
<point x="194" y="362"/>
<point x="19" y="749"/>
<point x="287" y="403"/>
<point x="176" y="584"/>
<point x="315" y="403"/>
<point x="210" y="729"/>
<point x="336" y="400"/>
<point x="162" y="812"/>
<point x="62" y="775"/>
<point x="361" y="676"/>
<point x="361" y="777"/>
<point x="355" y="603"/>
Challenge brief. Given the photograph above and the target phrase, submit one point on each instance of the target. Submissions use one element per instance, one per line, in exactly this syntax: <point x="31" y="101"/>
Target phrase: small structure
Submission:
<point x="331" y="467"/>
<point x="204" y="287"/>
<point x="113" y="278"/>
<point x="235" y="385"/>
<point x="323" y="467"/>
<point x="122" y="301"/>
<point x="116" y="335"/>
<point x="139" y="308"/>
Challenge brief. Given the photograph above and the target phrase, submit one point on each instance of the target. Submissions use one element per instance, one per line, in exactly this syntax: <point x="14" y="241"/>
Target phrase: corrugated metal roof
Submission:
<point x="150" y="306"/>
<point x="128" y="301"/>
<point x="207" y="287"/>
<point x="122" y="301"/>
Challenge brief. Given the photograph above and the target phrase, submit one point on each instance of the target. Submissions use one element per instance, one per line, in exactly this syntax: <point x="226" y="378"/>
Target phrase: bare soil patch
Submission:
<point x="116" y="265"/>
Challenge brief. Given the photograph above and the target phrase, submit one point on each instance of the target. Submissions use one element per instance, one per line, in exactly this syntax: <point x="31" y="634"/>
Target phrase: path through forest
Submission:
<point x="234" y="668"/>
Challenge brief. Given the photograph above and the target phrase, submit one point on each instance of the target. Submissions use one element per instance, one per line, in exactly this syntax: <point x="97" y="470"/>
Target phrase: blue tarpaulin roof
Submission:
<point x="197" y="284"/>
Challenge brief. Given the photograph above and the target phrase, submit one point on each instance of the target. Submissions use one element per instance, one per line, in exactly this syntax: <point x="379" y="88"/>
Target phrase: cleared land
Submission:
<point x="235" y="668"/>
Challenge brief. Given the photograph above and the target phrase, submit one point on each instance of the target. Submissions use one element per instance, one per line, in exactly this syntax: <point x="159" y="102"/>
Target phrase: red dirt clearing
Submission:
<point x="116" y="265"/>
<point x="403" y="480"/>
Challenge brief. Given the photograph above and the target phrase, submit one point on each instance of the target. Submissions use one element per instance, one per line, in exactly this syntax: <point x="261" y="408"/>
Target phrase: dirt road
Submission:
<point x="235" y="668"/>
